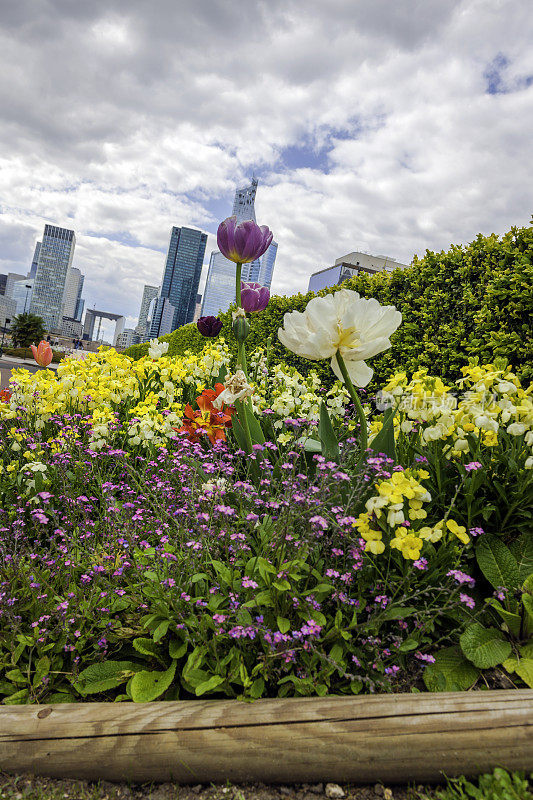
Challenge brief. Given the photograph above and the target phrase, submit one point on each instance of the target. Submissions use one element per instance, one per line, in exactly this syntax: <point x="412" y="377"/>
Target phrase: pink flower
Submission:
<point x="42" y="354"/>
<point x="473" y="466"/>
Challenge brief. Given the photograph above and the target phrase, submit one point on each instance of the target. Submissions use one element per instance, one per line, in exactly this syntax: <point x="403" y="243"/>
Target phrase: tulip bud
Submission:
<point x="241" y="328"/>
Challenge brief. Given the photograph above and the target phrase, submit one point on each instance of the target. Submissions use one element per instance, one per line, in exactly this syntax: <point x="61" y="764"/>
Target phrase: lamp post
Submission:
<point x="4" y="329"/>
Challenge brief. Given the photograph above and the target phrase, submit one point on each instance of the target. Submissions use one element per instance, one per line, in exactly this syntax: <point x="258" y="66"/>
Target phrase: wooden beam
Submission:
<point x="395" y="738"/>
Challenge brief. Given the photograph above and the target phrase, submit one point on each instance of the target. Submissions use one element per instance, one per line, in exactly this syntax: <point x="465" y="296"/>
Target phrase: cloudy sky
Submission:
<point x="384" y="125"/>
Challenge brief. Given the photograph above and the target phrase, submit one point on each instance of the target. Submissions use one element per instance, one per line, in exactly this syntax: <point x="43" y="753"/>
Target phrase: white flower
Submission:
<point x="341" y="322"/>
<point x="529" y="462"/>
<point x="157" y="348"/>
<point x="236" y="387"/>
<point x="218" y="484"/>
<point x="486" y="423"/>
<point x="516" y="428"/>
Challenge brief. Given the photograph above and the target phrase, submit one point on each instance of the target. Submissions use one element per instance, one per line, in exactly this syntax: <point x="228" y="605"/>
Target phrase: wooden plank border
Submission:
<point x="394" y="738"/>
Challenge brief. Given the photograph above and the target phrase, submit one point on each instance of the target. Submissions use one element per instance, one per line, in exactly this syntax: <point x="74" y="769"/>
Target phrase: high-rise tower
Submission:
<point x="149" y="293"/>
<point x="54" y="262"/>
<point x="219" y="291"/>
<point x="177" y="298"/>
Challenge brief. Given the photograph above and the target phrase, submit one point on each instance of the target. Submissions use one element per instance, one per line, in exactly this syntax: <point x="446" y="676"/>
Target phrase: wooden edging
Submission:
<point x="395" y="738"/>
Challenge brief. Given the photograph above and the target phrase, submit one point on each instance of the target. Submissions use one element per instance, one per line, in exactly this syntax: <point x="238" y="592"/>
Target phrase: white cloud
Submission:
<point x="121" y="119"/>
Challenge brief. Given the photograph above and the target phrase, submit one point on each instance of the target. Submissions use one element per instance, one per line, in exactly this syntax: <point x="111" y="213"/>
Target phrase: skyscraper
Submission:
<point x="55" y="260"/>
<point x="149" y="293"/>
<point x="177" y="298"/>
<point x="35" y="260"/>
<point x="219" y="291"/>
<point x="73" y="289"/>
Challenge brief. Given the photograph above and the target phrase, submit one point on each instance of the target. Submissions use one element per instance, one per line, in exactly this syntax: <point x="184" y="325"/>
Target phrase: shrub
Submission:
<point x="472" y="300"/>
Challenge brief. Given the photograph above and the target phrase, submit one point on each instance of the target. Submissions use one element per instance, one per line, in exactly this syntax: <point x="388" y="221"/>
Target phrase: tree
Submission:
<point x="27" y="329"/>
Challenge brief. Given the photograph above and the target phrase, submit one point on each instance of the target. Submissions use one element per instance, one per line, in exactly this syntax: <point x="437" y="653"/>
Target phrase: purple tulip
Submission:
<point x="254" y="297"/>
<point x="244" y="241"/>
<point x="209" y="326"/>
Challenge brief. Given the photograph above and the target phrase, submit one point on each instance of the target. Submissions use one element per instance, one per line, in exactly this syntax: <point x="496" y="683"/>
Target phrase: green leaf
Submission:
<point x="42" y="668"/>
<point x="283" y="624"/>
<point x="177" y="649"/>
<point x="397" y="612"/>
<point x="238" y="432"/>
<point x="409" y="644"/>
<point x="485" y="647"/>
<point x="384" y="442"/>
<point x="451" y="672"/>
<point x="522" y="550"/>
<point x="257" y="688"/>
<point x="497" y="563"/>
<point x="524" y="669"/>
<point x="148" y="685"/>
<point x="20" y="698"/>
<point x="207" y="686"/>
<point x="513" y="621"/>
<point x="104" y="676"/>
<point x="256" y="432"/>
<point x="330" y="445"/>
<point x="147" y="647"/>
<point x="161" y="630"/>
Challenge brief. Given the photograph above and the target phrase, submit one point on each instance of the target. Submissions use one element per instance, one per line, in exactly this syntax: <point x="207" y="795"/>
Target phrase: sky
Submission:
<point x="377" y="125"/>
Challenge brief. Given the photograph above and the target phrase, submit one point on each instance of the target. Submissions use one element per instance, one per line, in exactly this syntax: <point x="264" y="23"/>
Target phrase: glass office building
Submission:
<point x="35" y="261"/>
<point x="219" y="291"/>
<point x="55" y="260"/>
<point x="180" y="280"/>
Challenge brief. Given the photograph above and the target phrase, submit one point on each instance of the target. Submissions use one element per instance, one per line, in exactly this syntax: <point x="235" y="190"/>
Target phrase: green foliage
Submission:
<point x="500" y="785"/>
<point x="472" y="300"/>
<point x="451" y="672"/>
<point x="27" y="329"/>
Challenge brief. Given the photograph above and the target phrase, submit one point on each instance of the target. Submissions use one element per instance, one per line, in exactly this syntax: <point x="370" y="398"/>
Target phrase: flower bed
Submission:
<point x="189" y="527"/>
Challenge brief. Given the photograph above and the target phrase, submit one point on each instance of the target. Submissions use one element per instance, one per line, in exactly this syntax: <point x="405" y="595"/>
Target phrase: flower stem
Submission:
<point x="241" y="352"/>
<point x="356" y="401"/>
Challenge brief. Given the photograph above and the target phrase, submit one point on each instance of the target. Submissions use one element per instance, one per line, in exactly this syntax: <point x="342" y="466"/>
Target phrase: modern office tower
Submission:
<point x="73" y="289"/>
<point x="12" y="278"/>
<point x="180" y="279"/>
<point x="35" y="259"/>
<point x="80" y="305"/>
<point x="8" y="310"/>
<point x="3" y="281"/>
<point x="219" y="291"/>
<point x="350" y="265"/>
<point x="55" y="260"/>
<point x="22" y="293"/>
<point x="149" y="293"/>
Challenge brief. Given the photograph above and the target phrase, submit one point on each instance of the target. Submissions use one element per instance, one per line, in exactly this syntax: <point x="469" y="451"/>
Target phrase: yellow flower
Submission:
<point x="407" y="543"/>
<point x="457" y="530"/>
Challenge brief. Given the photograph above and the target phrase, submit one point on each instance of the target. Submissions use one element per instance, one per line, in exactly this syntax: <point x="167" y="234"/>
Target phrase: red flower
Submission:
<point x="208" y="421"/>
<point x="5" y="395"/>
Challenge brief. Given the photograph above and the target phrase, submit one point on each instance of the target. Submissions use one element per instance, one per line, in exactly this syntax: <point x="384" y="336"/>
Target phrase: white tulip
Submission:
<point x="342" y="322"/>
<point x="157" y="348"/>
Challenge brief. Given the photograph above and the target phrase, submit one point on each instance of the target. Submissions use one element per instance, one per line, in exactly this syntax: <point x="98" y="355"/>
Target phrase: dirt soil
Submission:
<point x="28" y="788"/>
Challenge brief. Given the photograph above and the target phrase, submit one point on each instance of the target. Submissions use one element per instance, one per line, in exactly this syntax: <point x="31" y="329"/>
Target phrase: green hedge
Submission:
<point x="473" y="300"/>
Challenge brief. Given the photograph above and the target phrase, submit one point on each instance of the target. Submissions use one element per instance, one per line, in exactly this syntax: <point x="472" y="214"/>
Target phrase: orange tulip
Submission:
<point x="42" y="354"/>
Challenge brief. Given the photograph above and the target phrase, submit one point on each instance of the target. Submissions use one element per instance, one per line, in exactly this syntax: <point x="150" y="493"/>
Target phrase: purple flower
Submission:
<point x="209" y="326"/>
<point x="254" y="297"/>
<point x="242" y="242"/>
<point x="473" y="466"/>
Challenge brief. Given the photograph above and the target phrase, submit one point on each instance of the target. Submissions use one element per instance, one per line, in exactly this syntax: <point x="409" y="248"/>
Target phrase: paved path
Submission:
<point x="8" y="364"/>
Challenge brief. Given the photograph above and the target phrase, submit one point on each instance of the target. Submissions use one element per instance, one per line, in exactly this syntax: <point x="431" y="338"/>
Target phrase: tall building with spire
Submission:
<point x="219" y="291"/>
<point x="176" y="302"/>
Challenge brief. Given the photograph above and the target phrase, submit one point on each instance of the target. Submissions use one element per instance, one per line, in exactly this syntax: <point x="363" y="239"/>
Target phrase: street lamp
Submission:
<point x="27" y="286"/>
<point x="4" y="329"/>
